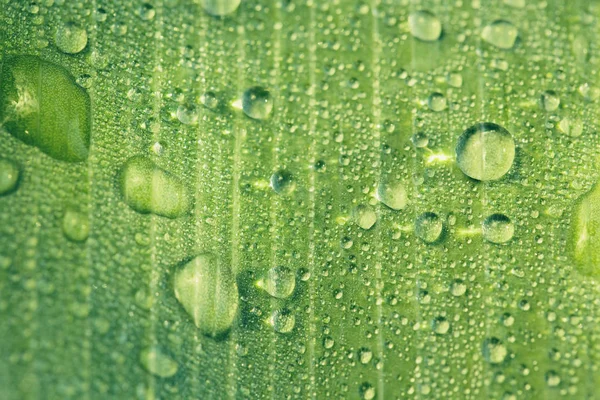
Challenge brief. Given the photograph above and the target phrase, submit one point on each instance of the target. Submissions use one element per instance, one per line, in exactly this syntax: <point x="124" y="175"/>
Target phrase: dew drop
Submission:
<point x="9" y="176"/>
<point x="429" y="227"/>
<point x="498" y="228"/>
<point x="279" y="282"/>
<point x="420" y="140"/>
<point x="283" y="320"/>
<point x="147" y="12"/>
<point x="550" y="100"/>
<point x="220" y="8"/>
<point x="500" y="33"/>
<point x="157" y="362"/>
<point x="437" y="102"/>
<point x="392" y="194"/>
<point x="147" y="188"/>
<point x="365" y="355"/>
<point x="70" y="38"/>
<point x="76" y="226"/>
<point x="458" y="288"/>
<point x="485" y="151"/>
<point x="493" y="350"/>
<point x="364" y="216"/>
<point x="53" y="114"/>
<point x="552" y="378"/>
<point x="571" y="126"/>
<point x="367" y="391"/>
<point x="187" y="114"/>
<point x="584" y="235"/>
<point x="282" y="182"/>
<point x="257" y="102"/>
<point x="209" y="100"/>
<point x="440" y="325"/>
<point x="425" y="25"/>
<point x="208" y="292"/>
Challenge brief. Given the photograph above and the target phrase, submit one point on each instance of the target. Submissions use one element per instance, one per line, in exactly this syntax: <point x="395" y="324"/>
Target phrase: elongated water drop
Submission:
<point x="208" y="292"/>
<point x="9" y="176"/>
<point x="149" y="189"/>
<point x="42" y="105"/>
<point x="584" y="236"/>
<point x="157" y="362"/>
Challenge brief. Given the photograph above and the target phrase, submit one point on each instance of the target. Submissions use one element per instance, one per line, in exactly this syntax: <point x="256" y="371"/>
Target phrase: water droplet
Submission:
<point x="584" y="236"/>
<point x="454" y="79"/>
<point x="440" y="325"/>
<point x="367" y="391"/>
<point x="425" y="25"/>
<point x="220" y="8"/>
<point x="76" y="226"/>
<point x="282" y="182"/>
<point x="279" y="282"/>
<point x="187" y="114"/>
<point x="257" y="102"/>
<point x="498" y="228"/>
<point x="429" y="227"/>
<point x="515" y="3"/>
<point x="9" y="176"/>
<point x="550" y="100"/>
<point x="283" y="320"/>
<point x="485" y="151"/>
<point x="147" y="12"/>
<point x="208" y="292"/>
<point x="52" y="114"/>
<point x="500" y="33"/>
<point x="494" y="351"/>
<point x="364" y="216"/>
<point x="420" y="140"/>
<point x="70" y="38"/>
<point x="150" y="189"/>
<point x="437" y="102"/>
<point x="158" y="363"/>
<point x="210" y="100"/>
<point x="393" y="195"/>
<point x="458" y="288"/>
<point x="571" y="126"/>
<point x="365" y="355"/>
<point x="552" y="378"/>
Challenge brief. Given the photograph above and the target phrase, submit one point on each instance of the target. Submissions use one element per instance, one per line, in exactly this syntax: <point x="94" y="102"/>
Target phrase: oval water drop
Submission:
<point x="257" y="102"/>
<point x="425" y="25"/>
<point x="494" y="350"/>
<point x="429" y="227"/>
<point x="500" y="33"/>
<point x="9" y="176"/>
<point x="485" y="151"/>
<point x="498" y="228"/>
<point x="364" y="216"/>
<point x="220" y="8"/>
<point x="157" y="362"/>
<point x="70" y="38"/>
<point x="283" y="320"/>
<point x="279" y="282"/>
<point x="208" y="292"/>
<point x="393" y="195"/>
<point x="76" y="226"/>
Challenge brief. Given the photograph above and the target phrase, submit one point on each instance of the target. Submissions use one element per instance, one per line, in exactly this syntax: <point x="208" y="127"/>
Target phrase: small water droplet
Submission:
<point x="485" y="151"/>
<point x="437" y="102"/>
<point x="424" y="25"/>
<point x="550" y="100"/>
<point x="279" y="282"/>
<point x="429" y="227"/>
<point x="365" y="355"/>
<point x="187" y="114"/>
<point x="500" y="33"/>
<point x="283" y="320"/>
<point x="70" y="38"/>
<point x="440" y="325"/>
<point x="364" y="216"/>
<point x="282" y="182"/>
<point x="498" y="228"/>
<point x="494" y="350"/>
<point x="9" y="176"/>
<point x="157" y="362"/>
<point x="76" y="226"/>
<point x="220" y="8"/>
<point x="257" y="102"/>
<point x="210" y="100"/>
<point x="147" y="12"/>
<point x="367" y="391"/>
<point x="552" y="378"/>
<point x="458" y="288"/>
<point x="393" y="195"/>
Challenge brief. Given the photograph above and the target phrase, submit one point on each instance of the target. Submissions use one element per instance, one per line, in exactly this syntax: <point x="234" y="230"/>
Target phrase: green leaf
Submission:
<point x="397" y="198"/>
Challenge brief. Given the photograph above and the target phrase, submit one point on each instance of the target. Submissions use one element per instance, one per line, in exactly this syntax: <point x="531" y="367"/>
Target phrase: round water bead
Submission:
<point x="364" y="216"/>
<point x="485" y="151"/>
<point x="500" y="33"/>
<point x="279" y="282"/>
<point x="493" y="350"/>
<point x="392" y="194"/>
<point x="437" y="102"/>
<point x="283" y="320"/>
<point x="76" y="226"/>
<point x="257" y="102"/>
<point x="220" y="8"/>
<point x="425" y="25"/>
<point x="282" y="182"/>
<point x="70" y="38"/>
<point x="498" y="228"/>
<point x="429" y="227"/>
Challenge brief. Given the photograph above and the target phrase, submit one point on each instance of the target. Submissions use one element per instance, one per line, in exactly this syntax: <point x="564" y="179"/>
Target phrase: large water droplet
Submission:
<point x="424" y="25"/>
<point x="9" y="176"/>
<point x="367" y="391"/>
<point x="584" y="236"/>
<point x="392" y="194"/>
<point x="208" y="292"/>
<point x="493" y="350"/>
<point x="279" y="282"/>
<point x="257" y="102"/>
<point x="150" y="189"/>
<point x="550" y="100"/>
<point x="70" y="38"/>
<point x="437" y="102"/>
<point x="283" y="320"/>
<point x="220" y="8"/>
<point x="500" y="33"/>
<point x="429" y="227"/>
<point x="364" y="216"/>
<point x="52" y="114"/>
<point x="485" y="151"/>
<point x="157" y="363"/>
<point x="282" y="182"/>
<point x="76" y="226"/>
<point x="498" y="228"/>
